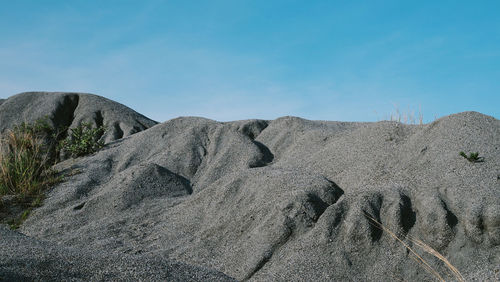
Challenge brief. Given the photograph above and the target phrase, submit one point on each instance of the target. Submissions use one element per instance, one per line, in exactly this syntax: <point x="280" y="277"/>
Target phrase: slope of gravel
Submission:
<point x="27" y="259"/>
<point x="288" y="199"/>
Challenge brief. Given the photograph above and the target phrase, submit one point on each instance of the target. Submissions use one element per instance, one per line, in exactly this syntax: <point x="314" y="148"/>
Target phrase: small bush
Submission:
<point x="473" y="157"/>
<point x="83" y="140"/>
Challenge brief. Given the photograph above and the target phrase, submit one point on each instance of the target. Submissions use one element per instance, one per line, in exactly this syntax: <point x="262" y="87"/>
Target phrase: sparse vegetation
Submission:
<point x="16" y="222"/>
<point x="83" y="140"/>
<point x="473" y="157"/>
<point x="408" y="117"/>
<point x="27" y="153"/>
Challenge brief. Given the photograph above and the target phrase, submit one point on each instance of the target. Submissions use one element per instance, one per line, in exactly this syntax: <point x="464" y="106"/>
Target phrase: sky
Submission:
<point x="237" y="59"/>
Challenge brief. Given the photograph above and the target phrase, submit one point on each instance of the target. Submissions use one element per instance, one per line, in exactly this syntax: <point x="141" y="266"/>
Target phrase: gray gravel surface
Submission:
<point x="28" y="259"/>
<point x="288" y="199"/>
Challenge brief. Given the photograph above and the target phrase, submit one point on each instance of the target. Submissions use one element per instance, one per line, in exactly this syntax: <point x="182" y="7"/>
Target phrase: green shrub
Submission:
<point x="83" y="140"/>
<point x="473" y="157"/>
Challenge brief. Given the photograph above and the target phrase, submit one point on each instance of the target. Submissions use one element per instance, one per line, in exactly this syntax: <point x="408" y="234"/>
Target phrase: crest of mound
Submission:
<point x="70" y="110"/>
<point x="283" y="134"/>
<point x="199" y="149"/>
<point x="151" y="180"/>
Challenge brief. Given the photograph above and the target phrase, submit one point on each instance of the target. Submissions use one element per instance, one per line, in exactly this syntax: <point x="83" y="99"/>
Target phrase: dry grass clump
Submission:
<point x="27" y="153"/>
<point x="416" y="256"/>
<point x="409" y="117"/>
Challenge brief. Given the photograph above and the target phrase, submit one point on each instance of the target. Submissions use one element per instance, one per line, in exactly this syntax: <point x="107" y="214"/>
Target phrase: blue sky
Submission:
<point x="229" y="60"/>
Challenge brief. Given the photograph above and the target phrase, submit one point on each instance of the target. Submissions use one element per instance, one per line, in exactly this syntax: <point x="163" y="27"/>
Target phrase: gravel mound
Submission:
<point x="70" y="110"/>
<point x="286" y="200"/>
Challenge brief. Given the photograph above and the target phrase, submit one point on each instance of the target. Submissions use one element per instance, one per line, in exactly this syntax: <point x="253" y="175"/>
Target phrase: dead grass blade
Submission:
<point x="418" y="257"/>
<point x="435" y="253"/>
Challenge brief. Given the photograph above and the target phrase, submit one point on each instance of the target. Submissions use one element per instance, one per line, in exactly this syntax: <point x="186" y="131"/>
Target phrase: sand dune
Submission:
<point x="280" y="200"/>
